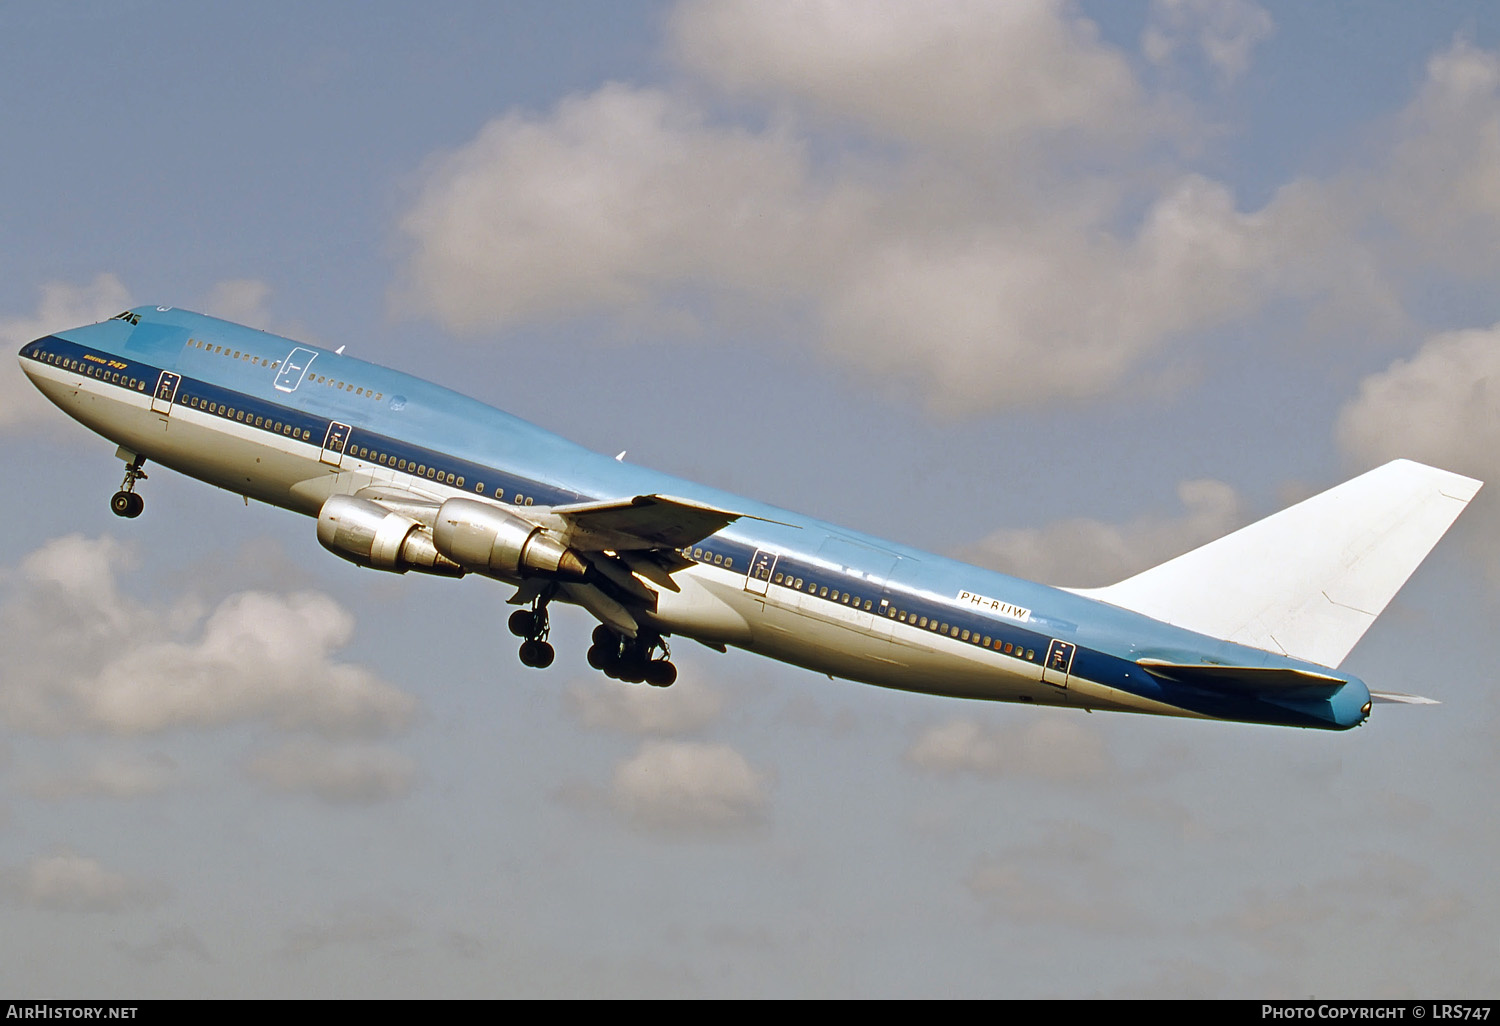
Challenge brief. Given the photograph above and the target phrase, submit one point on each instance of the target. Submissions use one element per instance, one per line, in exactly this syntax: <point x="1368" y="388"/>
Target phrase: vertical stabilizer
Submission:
<point x="1308" y="581"/>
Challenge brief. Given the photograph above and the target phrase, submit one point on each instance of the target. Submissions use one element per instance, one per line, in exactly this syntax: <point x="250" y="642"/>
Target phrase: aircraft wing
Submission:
<point x="642" y="523"/>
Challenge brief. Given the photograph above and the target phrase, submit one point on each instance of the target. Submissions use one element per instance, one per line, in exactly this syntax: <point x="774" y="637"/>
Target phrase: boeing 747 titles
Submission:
<point x="404" y="475"/>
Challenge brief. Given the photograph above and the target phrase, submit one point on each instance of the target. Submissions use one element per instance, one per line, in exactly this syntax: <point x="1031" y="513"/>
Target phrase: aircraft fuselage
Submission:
<point x="294" y="425"/>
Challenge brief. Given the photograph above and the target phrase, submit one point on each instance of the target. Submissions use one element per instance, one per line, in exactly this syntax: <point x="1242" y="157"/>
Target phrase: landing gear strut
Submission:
<point x="533" y="625"/>
<point x="631" y="660"/>
<point x="125" y="503"/>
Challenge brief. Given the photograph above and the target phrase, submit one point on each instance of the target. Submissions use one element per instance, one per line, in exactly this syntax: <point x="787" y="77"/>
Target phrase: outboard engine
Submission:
<point x="367" y="533"/>
<point x="480" y="536"/>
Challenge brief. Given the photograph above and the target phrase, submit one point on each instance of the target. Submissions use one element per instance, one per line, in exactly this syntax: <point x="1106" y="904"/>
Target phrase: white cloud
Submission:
<point x="242" y="300"/>
<point x="1441" y="186"/>
<point x="1225" y="31"/>
<point x="683" y="787"/>
<point x="168" y="941"/>
<point x="1008" y="277"/>
<point x="379" y="929"/>
<point x="975" y="292"/>
<point x="597" y="207"/>
<point x="641" y="709"/>
<point x="1050" y="748"/>
<point x="62" y="306"/>
<point x="340" y="773"/>
<point x="1066" y="876"/>
<point x="941" y="73"/>
<point x="82" y="657"/>
<point x="1441" y="406"/>
<point x="68" y="882"/>
<point x="115" y="775"/>
<point x="1090" y="553"/>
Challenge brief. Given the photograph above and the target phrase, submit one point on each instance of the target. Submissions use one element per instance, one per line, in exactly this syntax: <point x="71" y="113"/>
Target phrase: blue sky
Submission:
<point x="1061" y="288"/>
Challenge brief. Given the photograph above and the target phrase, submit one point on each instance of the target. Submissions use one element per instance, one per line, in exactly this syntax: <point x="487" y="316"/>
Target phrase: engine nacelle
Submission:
<point x="367" y="533"/>
<point x="479" y="536"/>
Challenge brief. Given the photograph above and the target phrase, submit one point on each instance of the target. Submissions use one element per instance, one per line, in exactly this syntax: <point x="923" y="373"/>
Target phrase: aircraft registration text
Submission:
<point x="995" y="605"/>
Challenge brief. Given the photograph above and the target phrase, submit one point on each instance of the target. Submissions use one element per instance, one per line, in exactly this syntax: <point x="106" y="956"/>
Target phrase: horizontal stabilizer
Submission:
<point x="1308" y="581"/>
<point x="1245" y="679"/>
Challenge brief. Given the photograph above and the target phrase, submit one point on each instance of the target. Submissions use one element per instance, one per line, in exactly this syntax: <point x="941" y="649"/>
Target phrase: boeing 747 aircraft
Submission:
<point x="404" y="475"/>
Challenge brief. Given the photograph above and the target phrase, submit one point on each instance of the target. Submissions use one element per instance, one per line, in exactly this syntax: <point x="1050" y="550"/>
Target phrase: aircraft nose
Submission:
<point x="28" y="355"/>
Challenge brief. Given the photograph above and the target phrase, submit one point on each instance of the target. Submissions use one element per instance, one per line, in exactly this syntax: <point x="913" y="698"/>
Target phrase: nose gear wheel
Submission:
<point x="126" y="503"/>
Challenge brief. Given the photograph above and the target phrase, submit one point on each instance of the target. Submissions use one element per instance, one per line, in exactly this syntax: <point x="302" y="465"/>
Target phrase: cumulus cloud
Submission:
<point x="82" y="657"/>
<point x="600" y="204"/>
<point x="349" y="927"/>
<point x="622" y="199"/>
<point x="116" y="775"/>
<point x="1223" y="31"/>
<point x="1439" y="407"/>
<point x="1051" y="748"/>
<point x="684" y="787"/>
<point x="1063" y="877"/>
<point x="934" y="73"/>
<point x="340" y="773"/>
<point x="635" y="709"/>
<point x="242" y="300"/>
<point x="177" y="940"/>
<point x="1010" y="278"/>
<point x="68" y="882"/>
<point x="62" y="306"/>
<point x="1089" y="553"/>
<point x="1441" y="185"/>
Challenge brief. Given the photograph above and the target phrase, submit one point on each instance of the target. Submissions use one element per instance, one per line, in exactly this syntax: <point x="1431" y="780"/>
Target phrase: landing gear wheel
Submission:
<point x="630" y="660"/>
<point x="533" y="625"/>
<point x="660" y="673"/>
<point x="538" y="654"/>
<point x="125" y="503"/>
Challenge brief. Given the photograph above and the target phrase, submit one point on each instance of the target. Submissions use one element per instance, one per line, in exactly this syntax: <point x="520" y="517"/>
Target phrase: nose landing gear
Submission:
<point x="126" y="503"/>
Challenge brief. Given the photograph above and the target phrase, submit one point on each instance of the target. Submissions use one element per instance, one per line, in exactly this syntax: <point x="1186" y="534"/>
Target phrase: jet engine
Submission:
<point x="367" y="533"/>
<point x="480" y="536"/>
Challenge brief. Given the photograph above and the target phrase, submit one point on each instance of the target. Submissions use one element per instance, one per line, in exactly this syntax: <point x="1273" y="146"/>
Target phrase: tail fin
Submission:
<point x="1308" y="581"/>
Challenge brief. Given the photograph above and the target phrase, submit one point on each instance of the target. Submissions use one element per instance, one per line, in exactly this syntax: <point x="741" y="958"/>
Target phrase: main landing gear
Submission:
<point x="533" y="625"/>
<point x="125" y="503"/>
<point x="631" y="660"/>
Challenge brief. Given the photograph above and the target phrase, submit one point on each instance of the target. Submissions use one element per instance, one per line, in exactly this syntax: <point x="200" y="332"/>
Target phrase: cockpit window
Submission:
<point x="126" y="315"/>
